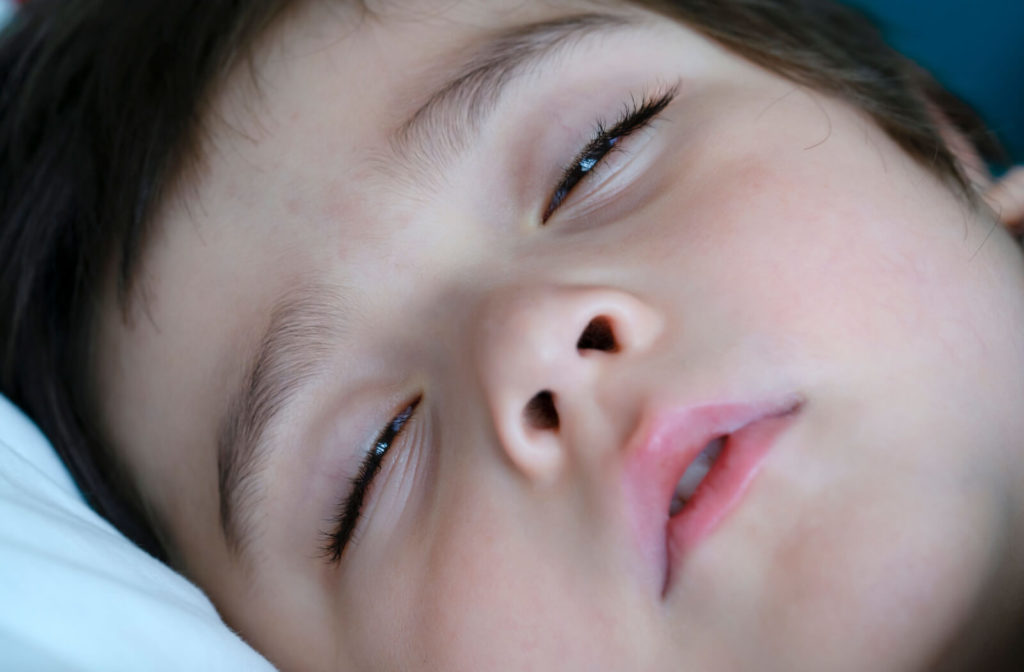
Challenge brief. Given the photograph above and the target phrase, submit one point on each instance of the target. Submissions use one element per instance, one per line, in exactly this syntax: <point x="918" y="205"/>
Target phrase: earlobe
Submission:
<point x="1006" y="198"/>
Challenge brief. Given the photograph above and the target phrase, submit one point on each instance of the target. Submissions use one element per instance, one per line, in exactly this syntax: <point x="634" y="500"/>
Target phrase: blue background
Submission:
<point x="975" y="48"/>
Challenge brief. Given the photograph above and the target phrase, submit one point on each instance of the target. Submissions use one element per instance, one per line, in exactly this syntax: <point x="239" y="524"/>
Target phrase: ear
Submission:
<point x="1006" y="195"/>
<point x="1006" y="198"/>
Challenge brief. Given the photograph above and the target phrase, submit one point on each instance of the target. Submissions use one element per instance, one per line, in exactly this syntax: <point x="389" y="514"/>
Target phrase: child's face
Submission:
<point x="755" y="244"/>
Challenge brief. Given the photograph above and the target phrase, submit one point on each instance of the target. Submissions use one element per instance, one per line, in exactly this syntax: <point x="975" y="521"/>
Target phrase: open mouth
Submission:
<point x="695" y="474"/>
<point x="687" y="469"/>
<point x="715" y="482"/>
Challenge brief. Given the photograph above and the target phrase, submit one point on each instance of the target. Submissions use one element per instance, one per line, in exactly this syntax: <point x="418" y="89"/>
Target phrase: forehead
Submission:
<point x="390" y="96"/>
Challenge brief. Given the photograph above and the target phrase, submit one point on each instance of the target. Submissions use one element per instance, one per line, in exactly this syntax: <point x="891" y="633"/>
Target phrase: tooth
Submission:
<point x="695" y="473"/>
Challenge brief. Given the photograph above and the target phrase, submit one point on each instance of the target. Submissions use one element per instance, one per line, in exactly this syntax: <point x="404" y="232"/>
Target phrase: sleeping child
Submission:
<point x="475" y="335"/>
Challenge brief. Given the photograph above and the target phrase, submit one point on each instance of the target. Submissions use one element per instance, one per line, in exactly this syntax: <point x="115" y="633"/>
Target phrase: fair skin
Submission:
<point x="757" y="242"/>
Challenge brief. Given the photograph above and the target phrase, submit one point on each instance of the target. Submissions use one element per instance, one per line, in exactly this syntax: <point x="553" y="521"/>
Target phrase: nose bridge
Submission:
<point x="542" y="352"/>
<point x="529" y="335"/>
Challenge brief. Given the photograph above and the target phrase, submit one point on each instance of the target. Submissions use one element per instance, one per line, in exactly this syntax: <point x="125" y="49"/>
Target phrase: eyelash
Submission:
<point x="350" y="509"/>
<point x="637" y="116"/>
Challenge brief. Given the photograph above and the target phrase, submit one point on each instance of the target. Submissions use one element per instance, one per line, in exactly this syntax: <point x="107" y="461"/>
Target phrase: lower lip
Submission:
<point x="722" y="489"/>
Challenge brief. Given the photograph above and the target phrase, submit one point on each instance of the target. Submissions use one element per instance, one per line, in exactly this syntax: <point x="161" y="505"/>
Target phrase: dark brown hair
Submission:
<point x="101" y="107"/>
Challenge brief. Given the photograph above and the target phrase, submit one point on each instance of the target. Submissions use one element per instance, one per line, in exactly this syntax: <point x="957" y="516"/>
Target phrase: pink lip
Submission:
<point x="660" y="452"/>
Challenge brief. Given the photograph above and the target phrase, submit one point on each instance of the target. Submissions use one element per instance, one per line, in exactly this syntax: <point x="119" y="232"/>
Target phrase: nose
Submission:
<point x="543" y="355"/>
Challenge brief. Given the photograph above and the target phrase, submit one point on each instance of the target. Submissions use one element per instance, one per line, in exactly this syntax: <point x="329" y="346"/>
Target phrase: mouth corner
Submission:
<point x="712" y="466"/>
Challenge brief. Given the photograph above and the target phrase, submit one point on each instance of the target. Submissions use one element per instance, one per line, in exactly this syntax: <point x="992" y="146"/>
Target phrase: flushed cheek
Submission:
<point x="784" y="251"/>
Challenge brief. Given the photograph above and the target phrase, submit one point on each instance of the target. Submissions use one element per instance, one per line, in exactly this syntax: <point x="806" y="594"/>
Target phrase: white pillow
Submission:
<point x="77" y="595"/>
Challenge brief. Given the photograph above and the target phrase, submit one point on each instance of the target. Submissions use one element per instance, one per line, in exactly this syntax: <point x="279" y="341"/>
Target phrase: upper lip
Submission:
<point x="664" y="445"/>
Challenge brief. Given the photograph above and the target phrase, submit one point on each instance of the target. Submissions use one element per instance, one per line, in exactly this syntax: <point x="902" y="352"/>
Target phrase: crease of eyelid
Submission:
<point x="415" y="449"/>
<point x="445" y="124"/>
<point x="405" y="442"/>
<point x="592" y="186"/>
<point x="636" y="118"/>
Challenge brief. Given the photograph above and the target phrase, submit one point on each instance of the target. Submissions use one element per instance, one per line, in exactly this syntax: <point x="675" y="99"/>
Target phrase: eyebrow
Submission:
<point x="305" y="325"/>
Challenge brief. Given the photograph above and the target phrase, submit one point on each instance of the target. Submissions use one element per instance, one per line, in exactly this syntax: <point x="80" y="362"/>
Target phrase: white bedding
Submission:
<point x="77" y="595"/>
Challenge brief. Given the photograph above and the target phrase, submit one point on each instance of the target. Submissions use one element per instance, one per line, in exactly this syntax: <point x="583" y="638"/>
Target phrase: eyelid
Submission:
<point x="612" y="175"/>
<point x="637" y="115"/>
<point x="349" y="508"/>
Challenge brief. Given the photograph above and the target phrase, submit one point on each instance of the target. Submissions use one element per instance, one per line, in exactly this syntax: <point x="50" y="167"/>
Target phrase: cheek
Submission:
<point x="482" y="602"/>
<point x="492" y="586"/>
<point x="901" y="564"/>
<point x="900" y="522"/>
<point x="824" y="247"/>
<point x="861" y="552"/>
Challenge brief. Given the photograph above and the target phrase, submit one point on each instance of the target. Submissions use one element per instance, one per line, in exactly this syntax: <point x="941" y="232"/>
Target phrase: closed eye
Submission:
<point x="350" y="508"/>
<point x="637" y="116"/>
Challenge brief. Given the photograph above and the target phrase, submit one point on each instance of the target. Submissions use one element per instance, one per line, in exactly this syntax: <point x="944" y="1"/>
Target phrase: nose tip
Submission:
<point x="543" y="355"/>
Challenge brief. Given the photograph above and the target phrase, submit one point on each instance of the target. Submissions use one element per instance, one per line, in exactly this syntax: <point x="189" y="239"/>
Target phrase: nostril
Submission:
<point x="540" y="412"/>
<point x="598" y="335"/>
